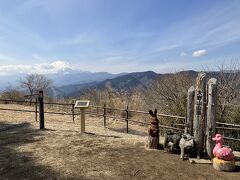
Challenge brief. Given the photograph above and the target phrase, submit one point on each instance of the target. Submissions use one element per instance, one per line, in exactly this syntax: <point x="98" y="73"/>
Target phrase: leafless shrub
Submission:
<point x="12" y="93"/>
<point x="228" y="86"/>
<point x="168" y="93"/>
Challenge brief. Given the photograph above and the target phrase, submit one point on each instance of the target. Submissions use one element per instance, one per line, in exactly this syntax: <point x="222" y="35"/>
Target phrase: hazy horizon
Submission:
<point x="117" y="36"/>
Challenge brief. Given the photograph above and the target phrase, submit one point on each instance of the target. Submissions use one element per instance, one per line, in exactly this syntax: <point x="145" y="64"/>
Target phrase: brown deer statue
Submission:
<point x="152" y="140"/>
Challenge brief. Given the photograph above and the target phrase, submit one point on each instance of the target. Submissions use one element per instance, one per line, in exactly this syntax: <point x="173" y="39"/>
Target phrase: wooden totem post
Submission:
<point x="190" y="111"/>
<point x="199" y="112"/>
<point x="152" y="140"/>
<point x="211" y="115"/>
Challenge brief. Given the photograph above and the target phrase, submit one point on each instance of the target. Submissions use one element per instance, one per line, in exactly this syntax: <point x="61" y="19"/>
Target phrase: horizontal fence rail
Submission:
<point x="18" y="110"/>
<point x="228" y="124"/>
<point x="16" y="101"/>
<point x="104" y="113"/>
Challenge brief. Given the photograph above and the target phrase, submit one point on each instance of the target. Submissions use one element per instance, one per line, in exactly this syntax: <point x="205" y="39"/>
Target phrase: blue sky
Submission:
<point x="118" y="35"/>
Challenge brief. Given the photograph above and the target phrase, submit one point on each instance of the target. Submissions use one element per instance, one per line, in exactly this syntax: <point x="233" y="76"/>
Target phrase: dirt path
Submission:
<point x="61" y="152"/>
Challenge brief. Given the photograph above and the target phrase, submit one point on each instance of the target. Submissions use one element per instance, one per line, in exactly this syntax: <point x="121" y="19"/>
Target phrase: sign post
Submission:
<point x="82" y="104"/>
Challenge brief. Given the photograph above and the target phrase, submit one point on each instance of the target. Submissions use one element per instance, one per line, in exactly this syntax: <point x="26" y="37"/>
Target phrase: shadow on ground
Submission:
<point x="92" y="156"/>
<point x="20" y="165"/>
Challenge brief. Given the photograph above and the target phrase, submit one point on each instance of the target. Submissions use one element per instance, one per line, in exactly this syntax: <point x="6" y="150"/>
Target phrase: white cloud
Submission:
<point x="199" y="53"/>
<point x="183" y="54"/>
<point x="43" y="68"/>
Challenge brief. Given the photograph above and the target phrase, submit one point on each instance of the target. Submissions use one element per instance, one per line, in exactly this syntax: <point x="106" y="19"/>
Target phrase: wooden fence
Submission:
<point x="107" y="112"/>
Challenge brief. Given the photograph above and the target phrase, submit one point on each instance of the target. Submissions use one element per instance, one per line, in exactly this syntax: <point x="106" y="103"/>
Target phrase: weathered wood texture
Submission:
<point x="82" y="120"/>
<point x="127" y="117"/>
<point x="199" y="161"/>
<point x="199" y="112"/>
<point x="190" y="111"/>
<point x="36" y="108"/>
<point x="151" y="142"/>
<point x="153" y="129"/>
<point x="73" y="113"/>
<point x="104" y="115"/>
<point x="211" y="115"/>
<point x="41" y="110"/>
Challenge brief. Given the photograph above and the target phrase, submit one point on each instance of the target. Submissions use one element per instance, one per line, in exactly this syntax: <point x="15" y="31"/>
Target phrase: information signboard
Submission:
<point x="82" y="104"/>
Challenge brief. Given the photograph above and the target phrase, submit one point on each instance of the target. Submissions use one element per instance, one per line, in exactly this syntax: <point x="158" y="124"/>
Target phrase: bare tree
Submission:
<point x="228" y="85"/>
<point x="35" y="83"/>
<point x="169" y="92"/>
<point x="12" y="93"/>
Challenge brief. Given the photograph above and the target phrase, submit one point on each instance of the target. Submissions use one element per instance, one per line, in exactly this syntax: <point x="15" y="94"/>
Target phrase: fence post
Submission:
<point x="211" y="115"/>
<point x="41" y="109"/>
<point x="127" y="116"/>
<point x="200" y="112"/>
<point x="104" y="115"/>
<point x="190" y="111"/>
<point x="36" y="106"/>
<point x="73" y="117"/>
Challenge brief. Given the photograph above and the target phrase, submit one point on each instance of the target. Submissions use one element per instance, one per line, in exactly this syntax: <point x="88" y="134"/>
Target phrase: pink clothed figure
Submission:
<point x="221" y="152"/>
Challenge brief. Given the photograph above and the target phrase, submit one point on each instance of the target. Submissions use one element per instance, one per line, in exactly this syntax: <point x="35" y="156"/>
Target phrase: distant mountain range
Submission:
<point x="123" y="82"/>
<point x="68" y="77"/>
<point x="61" y="78"/>
<point x="68" y="82"/>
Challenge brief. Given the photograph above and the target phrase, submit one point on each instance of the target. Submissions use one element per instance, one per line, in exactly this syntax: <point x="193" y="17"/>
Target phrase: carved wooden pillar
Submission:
<point x="190" y="111"/>
<point x="199" y="112"/>
<point x="211" y="115"/>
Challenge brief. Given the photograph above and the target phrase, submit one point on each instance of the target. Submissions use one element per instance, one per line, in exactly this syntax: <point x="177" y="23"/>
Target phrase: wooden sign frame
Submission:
<point x="82" y="104"/>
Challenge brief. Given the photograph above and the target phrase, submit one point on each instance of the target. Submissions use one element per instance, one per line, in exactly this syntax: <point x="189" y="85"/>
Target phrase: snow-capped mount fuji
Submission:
<point x="60" y="72"/>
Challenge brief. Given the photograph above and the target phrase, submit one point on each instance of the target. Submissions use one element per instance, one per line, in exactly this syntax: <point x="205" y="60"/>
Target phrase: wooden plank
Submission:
<point x="199" y="112"/>
<point x="211" y="115"/>
<point x="190" y="111"/>
<point x="82" y="120"/>
<point x="228" y="124"/>
<point x="228" y="128"/>
<point x="237" y="155"/>
<point x="199" y="161"/>
<point x="229" y="138"/>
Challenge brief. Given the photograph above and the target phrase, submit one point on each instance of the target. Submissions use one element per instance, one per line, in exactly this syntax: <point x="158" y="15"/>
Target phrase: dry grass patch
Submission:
<point x="61" y="152"/>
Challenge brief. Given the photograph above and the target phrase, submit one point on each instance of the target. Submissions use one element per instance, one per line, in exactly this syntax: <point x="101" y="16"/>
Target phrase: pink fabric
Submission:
<point x="221" y="152"/>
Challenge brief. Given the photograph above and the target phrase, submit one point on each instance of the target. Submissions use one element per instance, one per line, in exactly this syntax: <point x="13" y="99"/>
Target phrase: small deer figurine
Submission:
<point x="153" y="129"/>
